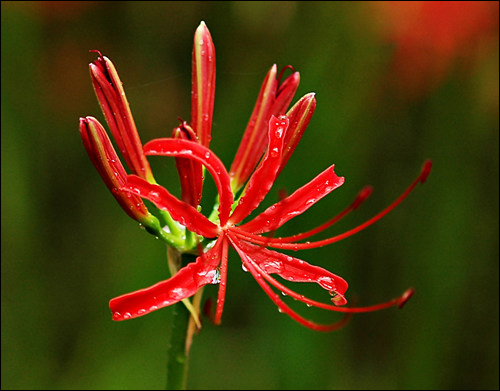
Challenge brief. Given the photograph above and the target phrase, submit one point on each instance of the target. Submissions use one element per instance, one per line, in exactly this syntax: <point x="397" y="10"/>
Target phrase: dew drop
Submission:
<point x="283" y="293"/>
<point x="141" y="311"/>
<point x="207" y="155"/>
<point x="127" y="315"/>
<point x="244" y="268"/>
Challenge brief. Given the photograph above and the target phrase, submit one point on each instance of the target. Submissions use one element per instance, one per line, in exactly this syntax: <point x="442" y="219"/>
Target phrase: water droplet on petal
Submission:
<point x="244" y="268"/>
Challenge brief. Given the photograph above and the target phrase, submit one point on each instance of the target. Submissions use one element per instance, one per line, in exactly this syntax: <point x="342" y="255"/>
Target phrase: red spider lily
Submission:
<point x="246" y="238"/>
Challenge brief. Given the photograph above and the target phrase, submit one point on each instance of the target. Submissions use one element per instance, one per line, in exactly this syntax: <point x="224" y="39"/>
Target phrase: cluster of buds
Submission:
<point x="271" y="136"/>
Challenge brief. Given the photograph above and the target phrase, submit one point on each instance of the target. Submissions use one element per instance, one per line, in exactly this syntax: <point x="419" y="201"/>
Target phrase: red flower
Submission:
<point x="268" y="142"/>
<point x="247" y="238"/>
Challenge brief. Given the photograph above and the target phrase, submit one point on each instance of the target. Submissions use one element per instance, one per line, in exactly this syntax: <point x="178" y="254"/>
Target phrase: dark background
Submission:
<point x="395" y="85"/>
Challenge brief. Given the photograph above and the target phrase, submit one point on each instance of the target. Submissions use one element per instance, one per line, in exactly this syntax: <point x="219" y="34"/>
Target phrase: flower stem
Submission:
<point x="180" y="332"/>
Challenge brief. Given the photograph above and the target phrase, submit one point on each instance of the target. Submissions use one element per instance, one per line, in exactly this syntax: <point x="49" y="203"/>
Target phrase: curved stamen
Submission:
<point x="283" y="71"/>
<point x="399" y="301"/>
<point x="278" y="242"/>
<point x="360" y="198"/>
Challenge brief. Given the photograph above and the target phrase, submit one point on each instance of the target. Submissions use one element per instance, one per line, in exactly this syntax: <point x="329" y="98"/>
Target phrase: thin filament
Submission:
<point x="278" y="242"/>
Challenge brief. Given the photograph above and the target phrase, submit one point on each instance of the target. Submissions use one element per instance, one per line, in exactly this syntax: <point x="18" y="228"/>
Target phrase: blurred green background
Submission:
<point x="388" y="98"/>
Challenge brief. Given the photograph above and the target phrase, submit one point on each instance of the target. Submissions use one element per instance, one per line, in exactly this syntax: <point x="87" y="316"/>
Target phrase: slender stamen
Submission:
<point x="399" y="301"/>
<point x="222" y="284"/>
<point x="283" y="71"/>
<point x="361" y="197"/>
<point x="278" y="242"/>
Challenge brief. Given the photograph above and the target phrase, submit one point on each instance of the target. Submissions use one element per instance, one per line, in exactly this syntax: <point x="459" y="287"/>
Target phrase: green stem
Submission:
<point x="180" y="333"/>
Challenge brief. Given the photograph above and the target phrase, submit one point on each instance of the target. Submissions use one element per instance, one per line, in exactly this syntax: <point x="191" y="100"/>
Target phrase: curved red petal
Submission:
<point x="179" y="210"/>
<point x="182" y="285"/>
<point x="294" y="269"/>
<point x="263" y="178"/>
<point x="298" y="202"/>
<point x="193" y="150"/>
<point x="258" y="275"/>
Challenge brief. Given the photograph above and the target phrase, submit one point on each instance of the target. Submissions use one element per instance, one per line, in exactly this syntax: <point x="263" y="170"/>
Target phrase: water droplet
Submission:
<point x="207" y="155"/>
<point x="153" y="308"/>
<point x="216" y="277"/>
<point x="244" y="268"/>
<point x="280" y="310"/>
<point x="283" y="293"/>
<point x="326" y="283"/>
<point x="127" y="315"/>
<point x="309" y="305"/>
<point x="141" y="311"/>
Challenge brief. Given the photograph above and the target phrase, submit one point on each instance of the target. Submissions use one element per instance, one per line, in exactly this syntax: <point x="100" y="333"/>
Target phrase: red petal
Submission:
<point x="107" y="163"/>
<point x="300" y="116"/>
<point x="285" y="92"/>
<point x="253" y="143"/>
<point x="179" y="210"/>
<point x="116" y="109"/>
<point x="263" y="178"/>
<point x="182" y="285"/>
<point x="298" y="202"/>
<point x="294" y="269"/>
<point x="190" y="171"/>
<point x="258" y="274"/>
<point x="203" y="84"/>
<point x="192" y="150"/>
